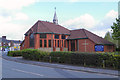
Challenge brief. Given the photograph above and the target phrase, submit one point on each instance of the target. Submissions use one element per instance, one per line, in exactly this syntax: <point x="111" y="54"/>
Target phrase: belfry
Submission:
<point x="55" y="19"/>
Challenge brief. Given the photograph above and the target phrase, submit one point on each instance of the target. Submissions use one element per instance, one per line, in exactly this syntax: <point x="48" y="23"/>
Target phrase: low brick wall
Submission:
<point x="46" y="49"/>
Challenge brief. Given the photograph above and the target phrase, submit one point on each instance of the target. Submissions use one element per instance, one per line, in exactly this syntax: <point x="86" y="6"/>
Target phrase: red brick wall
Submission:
<point x="26" y="45"/>
<point x="89" y="47"/>
<point x="108" y="48"/>
<point x="36" y="41"/>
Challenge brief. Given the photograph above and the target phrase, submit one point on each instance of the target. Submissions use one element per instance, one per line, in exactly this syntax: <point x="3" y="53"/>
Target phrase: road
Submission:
<point x="11" y="69"/>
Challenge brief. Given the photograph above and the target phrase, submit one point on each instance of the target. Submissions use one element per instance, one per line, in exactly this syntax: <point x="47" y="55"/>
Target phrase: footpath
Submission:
<point x="62" y="66"/>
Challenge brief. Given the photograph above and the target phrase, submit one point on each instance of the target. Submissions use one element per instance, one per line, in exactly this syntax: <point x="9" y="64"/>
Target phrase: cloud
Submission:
<point x="112" y="14"/>
<point x="21" y="16"/>
<point x="13" y="22"/>
<point x="84" y="21"/>
<point x="87" y="21"/>
<point x="15" y="4"/>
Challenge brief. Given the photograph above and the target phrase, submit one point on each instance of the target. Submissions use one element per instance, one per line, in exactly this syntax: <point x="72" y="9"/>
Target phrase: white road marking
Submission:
<point x="27" y="72"/>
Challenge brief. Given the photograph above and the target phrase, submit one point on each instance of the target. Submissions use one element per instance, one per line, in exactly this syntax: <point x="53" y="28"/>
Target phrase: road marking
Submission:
<point x="27" y="72"/>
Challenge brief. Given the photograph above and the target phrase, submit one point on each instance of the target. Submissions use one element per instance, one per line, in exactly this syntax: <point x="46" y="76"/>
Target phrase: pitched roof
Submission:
<point x="83" y="33"/>
<point x="8" y="41"/>
<point x="47" y="27"/>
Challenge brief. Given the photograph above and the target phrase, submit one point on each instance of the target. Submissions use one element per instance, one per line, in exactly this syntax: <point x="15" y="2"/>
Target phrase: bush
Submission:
<point x="14" y="53"/>
<point x="109" y="60"/>
<point x="35" y="54"/>
<point x="105" y="60"/>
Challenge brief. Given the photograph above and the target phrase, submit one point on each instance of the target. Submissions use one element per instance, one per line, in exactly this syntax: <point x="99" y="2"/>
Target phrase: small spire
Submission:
<point x="55" y="20"/>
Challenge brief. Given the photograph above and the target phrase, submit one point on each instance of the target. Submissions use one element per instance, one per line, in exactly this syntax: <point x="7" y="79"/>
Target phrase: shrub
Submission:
<point x="35" y="54"/>
<point x="109" y="60"/>
<point x="14" y="53"/>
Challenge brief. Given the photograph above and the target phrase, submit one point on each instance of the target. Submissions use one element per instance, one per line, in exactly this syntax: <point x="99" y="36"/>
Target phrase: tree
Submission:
<point x="108" y="37"/>
<point x="116" y="30"/>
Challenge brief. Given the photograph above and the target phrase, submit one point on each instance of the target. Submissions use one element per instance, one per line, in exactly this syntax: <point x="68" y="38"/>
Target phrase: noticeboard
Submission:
<point x="99" y="48"/>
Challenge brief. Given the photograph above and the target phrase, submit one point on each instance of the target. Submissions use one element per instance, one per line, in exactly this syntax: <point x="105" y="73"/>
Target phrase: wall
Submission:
<point x="89" y="47"/>
<point x="108" y="48"/>
<point x="46" y="49"/>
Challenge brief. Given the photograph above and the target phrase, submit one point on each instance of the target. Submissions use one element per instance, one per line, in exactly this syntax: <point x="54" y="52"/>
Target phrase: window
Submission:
<point x="64" y="43"/>
<point x="49" y="43"/>
<point x="32" y="40"/>
<point x="55" y="43"/>
<point x="40" y="43"/>
<point x="58" y="43"/>
<point x="63" y="36"/>
<point x="45" y="45"/>
<point x="56" y="36"/>
<point x="42" y="35"/>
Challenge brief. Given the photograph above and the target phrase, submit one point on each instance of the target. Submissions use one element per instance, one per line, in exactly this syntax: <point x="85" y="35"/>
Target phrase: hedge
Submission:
<point x="14" y="53"/>
<point x="35" y="54"/>
<point x="104" y="60"/>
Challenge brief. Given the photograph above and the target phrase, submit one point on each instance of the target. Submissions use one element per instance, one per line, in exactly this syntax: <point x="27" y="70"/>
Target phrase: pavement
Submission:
<point x="61" y="66"/>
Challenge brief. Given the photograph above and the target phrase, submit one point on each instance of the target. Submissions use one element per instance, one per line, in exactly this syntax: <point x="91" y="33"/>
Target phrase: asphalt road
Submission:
<point x="11" y="69"/>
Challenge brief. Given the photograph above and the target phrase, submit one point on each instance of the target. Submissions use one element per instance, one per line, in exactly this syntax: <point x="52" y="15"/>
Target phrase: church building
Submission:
<point x="50" y="36"/>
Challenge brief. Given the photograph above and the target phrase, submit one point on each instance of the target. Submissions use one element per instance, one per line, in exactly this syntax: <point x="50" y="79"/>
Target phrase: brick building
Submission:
<point x="48" y="36"/>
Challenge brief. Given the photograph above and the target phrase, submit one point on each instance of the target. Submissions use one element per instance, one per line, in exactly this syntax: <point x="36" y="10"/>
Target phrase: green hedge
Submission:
<point x="105" y="60"/>
<point x="14" y="53"/>
<point x="35" y="54"/>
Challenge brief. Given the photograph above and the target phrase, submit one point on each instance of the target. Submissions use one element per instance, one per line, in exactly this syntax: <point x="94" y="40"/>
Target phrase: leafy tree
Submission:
<point x="116" y="30"/>
<point x="108" y="37"/>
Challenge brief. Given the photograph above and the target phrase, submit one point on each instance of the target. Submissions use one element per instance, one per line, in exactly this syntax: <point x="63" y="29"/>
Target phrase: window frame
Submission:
<point x="40" y="43"/>
<point x="45" y="43"/>
<point x="63" y="36"/>
<point x="49" y="43"/>
<point x="56" y="36"/>
<point x="43" y="35"/>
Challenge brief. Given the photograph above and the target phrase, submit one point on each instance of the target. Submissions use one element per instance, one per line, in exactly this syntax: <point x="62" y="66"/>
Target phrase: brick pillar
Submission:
<point x="27" y="42"/>
<point x="47" y="40"/>
<point x="60" y="42"/>
<point x="42" y="43"/>
<point x="37" y="41"/>
<point x="54" y="49"/>
<point x="69" y="46"/>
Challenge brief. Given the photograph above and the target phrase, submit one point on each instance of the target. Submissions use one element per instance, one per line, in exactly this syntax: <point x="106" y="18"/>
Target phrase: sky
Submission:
<point x="17" y="16"/>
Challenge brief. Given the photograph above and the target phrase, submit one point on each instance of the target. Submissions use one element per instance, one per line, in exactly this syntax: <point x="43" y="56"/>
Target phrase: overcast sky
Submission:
<point x="17" y="16"/>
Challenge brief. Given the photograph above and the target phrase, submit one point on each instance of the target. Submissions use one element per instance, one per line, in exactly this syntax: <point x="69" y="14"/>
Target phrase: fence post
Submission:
<point x="103" y="63"/>
<point x="58" y="59"/>
<point x="84" y="63"/>
<point x="50" y="59"/>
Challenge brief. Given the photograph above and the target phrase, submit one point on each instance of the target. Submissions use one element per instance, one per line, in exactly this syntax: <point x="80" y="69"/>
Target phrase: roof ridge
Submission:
<point x="90" y="33"/>
<point x="96" y="36"/>
<point x="85" y="33"/>
<point x="45" y="26"/>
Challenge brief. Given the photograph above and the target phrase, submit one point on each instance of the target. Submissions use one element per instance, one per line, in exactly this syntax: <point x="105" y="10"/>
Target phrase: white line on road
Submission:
<point x="27" y="72"/>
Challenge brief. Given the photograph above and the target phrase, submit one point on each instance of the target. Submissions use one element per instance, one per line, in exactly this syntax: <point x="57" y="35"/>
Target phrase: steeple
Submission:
<point x="55" y="20"/>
